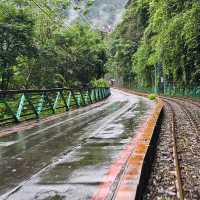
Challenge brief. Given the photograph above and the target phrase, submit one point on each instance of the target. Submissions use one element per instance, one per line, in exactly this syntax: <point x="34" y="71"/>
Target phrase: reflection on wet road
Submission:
<point x="67" y="158"/>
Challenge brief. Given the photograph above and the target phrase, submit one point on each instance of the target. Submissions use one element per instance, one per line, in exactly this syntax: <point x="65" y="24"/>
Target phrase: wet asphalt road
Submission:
<point x="68" y="157"/>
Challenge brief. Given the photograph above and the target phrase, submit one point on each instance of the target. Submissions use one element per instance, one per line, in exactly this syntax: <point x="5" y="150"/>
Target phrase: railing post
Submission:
<point x="90" y="95"/>
<point x="69" y="99"/>
<point x="31" y="105"/>
<point x="56" y="101"/>
<point x="86" y="96"/>
<point x="20" y="107"/>
<point x="100" y="97"/>
<point x="11" y="111"/>
<point x="83" y="100"/>
<point x="74" y="97"/>
<point x="47" y="99"/>
<point x="64" y="101"/>
<point x="95" y="94"/>
<point x="101" y="92"/>
<point x="78" y="99"/>
<point x="40" y="105"/>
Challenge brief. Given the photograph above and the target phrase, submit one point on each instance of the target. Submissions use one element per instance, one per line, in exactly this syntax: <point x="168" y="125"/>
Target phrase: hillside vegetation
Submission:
<point x="39" y="50"/>
<point x="158" y="42"/>
<point x="162" y="35"/>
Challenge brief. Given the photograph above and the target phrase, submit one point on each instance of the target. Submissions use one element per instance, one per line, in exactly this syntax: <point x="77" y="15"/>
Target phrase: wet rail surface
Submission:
<point x="175" y="171"/>
<point x="67" y="158"/>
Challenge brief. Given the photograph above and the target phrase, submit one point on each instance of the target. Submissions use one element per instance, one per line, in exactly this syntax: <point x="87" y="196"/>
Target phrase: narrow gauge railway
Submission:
<point x="191" y="109"/>
<point x="188" y="100"/>
<point x="185" y="100"/>
<point x="175" y="172"/>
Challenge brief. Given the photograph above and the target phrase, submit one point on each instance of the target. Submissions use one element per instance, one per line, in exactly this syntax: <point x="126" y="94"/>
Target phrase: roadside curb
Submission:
<point x="132" y="174"/>
<point x="138" y="167"/>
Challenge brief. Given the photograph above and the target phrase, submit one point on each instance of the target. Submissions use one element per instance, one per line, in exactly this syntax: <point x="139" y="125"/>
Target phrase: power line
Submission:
<point x="57" y="23"/>
<point x="85" y="19"/>
<point x="44" y="11"/>
<point x="48" y="14"/>
<point x="68" y="27"/>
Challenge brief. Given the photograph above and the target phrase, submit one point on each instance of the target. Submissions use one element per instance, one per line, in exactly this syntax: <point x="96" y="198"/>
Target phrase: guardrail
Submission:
<point x="168" y="90"/>
<point x="21" y="105"/>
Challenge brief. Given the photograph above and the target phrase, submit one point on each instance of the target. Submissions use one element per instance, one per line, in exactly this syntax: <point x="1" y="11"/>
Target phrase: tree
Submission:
<point x="82" y="52"/>
<point x="37" y="47"/>
<point x="161" y="34"/>
<point x="16" y="39"/>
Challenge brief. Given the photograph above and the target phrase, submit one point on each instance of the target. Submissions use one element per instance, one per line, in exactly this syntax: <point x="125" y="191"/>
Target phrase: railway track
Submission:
<point x="185" y="188"/>
<point x="176" y="168"/>
<point x="177" y="153"/>
<point x="179" y="185"/>
<point x="184" y="105"/>
<point x="185" y="100"/>
<point x="189" y="100"/>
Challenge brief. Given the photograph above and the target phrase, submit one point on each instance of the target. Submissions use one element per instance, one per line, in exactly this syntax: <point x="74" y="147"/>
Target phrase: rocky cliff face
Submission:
<point x="103" y="14"/>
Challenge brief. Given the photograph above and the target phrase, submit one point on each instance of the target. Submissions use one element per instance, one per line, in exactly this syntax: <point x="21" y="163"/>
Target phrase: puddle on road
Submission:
<point x="81" y="157"/>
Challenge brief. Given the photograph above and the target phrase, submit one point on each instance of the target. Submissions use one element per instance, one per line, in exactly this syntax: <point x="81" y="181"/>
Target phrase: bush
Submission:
<point x="99" y="83"/>
<point x="152" y="96"/>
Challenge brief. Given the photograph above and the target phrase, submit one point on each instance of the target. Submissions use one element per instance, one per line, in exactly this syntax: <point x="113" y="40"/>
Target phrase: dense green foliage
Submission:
<point x="38" y="49"/>
<point x="157" y="38"/>
<point x="162" y="34"/>
<point x="99" y="83"/>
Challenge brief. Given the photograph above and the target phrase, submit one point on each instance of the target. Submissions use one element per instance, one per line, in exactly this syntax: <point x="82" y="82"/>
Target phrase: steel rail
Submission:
<point x="187" y="112"/>
<point x="179" y="185"/>
<point x="189" y="100"/>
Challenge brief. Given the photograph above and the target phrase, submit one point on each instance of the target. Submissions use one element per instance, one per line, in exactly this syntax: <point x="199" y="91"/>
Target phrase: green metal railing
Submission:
<point x="190" y="91"/>
<point x="17" y="106"/>
<point x="137" y="88"/>
<point x="168" y="90"/>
